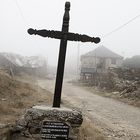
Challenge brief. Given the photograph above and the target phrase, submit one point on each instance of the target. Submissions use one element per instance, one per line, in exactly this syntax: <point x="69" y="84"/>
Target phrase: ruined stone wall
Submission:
<point x="114" y="79"/>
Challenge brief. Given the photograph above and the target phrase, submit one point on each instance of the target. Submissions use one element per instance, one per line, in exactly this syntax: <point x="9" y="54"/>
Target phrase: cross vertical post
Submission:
<point x="62" y="55"/>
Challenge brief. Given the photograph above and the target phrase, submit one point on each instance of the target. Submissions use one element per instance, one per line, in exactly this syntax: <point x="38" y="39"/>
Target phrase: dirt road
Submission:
<point x="117" y="120"/>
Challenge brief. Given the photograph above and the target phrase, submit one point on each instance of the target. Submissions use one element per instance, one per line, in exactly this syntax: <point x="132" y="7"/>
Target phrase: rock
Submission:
<point x="116" y="92"/>
<point x="30" y="124"/>
<point x="3" y="99"/>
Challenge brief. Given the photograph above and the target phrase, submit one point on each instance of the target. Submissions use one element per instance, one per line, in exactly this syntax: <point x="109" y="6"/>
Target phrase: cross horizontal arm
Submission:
<point x="65" y="36"/>
<point x="82" y="38"/>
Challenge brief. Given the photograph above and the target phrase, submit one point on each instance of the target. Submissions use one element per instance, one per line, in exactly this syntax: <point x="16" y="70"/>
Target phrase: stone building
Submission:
<point x="15" y="64"/>
<point x="99" y="61"/>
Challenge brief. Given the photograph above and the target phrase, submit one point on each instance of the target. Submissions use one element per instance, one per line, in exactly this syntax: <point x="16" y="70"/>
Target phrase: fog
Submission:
<point x="91" y="17"/>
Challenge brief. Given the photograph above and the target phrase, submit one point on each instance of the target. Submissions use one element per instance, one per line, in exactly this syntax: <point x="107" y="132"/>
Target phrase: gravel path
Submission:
<point x="117" y="120"/>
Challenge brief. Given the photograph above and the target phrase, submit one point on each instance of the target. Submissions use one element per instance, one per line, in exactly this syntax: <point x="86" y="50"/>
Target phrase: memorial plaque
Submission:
<point x="54" y="130"/>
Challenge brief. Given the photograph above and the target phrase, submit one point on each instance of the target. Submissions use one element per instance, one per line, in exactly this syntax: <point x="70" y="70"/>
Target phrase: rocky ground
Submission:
<point x="116" y="120"/>
<point x="120" y="84"/>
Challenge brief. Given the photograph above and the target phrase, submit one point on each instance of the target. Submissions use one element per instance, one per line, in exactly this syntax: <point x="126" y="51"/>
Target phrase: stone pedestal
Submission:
<point x="30" y="124"/>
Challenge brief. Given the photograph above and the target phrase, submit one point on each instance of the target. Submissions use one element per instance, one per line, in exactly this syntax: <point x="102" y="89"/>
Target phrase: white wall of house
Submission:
<point x="88" y="62"/>
<point x="92" y="62"/>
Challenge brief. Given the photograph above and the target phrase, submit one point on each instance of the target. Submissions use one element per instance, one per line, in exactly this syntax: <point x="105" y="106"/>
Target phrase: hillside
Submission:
<point x="16" y="96"/>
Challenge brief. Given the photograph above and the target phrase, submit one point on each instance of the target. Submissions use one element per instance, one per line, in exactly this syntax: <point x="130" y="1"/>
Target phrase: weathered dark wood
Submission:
<point x="64" y="35"/>
<point x="61" y="60"/>
<point x="60" y="35"/>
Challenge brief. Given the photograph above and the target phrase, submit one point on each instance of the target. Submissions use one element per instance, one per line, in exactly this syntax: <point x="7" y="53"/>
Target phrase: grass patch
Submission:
<point x="89" y="132"/>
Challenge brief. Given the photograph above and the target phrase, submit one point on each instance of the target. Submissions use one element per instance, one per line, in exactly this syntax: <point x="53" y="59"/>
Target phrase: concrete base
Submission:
<point x="29" y="125"/>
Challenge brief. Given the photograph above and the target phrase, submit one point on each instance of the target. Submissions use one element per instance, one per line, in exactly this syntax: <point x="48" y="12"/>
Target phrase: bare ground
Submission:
<point x="117" y="120"/>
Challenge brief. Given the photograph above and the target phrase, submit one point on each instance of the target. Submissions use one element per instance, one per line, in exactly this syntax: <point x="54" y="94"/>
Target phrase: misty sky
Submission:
<point x="91" y="17"/>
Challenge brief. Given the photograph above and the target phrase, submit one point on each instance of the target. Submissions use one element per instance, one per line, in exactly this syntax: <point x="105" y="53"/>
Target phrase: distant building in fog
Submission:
<point x="99" y="61"/>
<point x="34" y="65"/>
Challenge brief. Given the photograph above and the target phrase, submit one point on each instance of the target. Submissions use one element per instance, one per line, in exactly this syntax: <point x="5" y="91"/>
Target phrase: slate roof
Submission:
<point x="103" y="52"/>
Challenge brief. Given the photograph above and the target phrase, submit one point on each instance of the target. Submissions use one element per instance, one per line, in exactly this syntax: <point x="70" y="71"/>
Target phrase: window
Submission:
<point x="113" y="61"/>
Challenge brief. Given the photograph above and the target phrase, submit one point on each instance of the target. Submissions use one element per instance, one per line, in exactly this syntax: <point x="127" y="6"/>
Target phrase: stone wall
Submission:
<point x="29" y="126"/>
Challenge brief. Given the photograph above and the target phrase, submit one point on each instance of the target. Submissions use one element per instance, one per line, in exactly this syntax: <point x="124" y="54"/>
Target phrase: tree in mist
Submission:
<point x="133" y="62"/>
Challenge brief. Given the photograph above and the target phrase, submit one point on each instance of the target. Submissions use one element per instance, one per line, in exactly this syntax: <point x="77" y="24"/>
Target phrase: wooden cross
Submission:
<point x="64" y="35"/>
